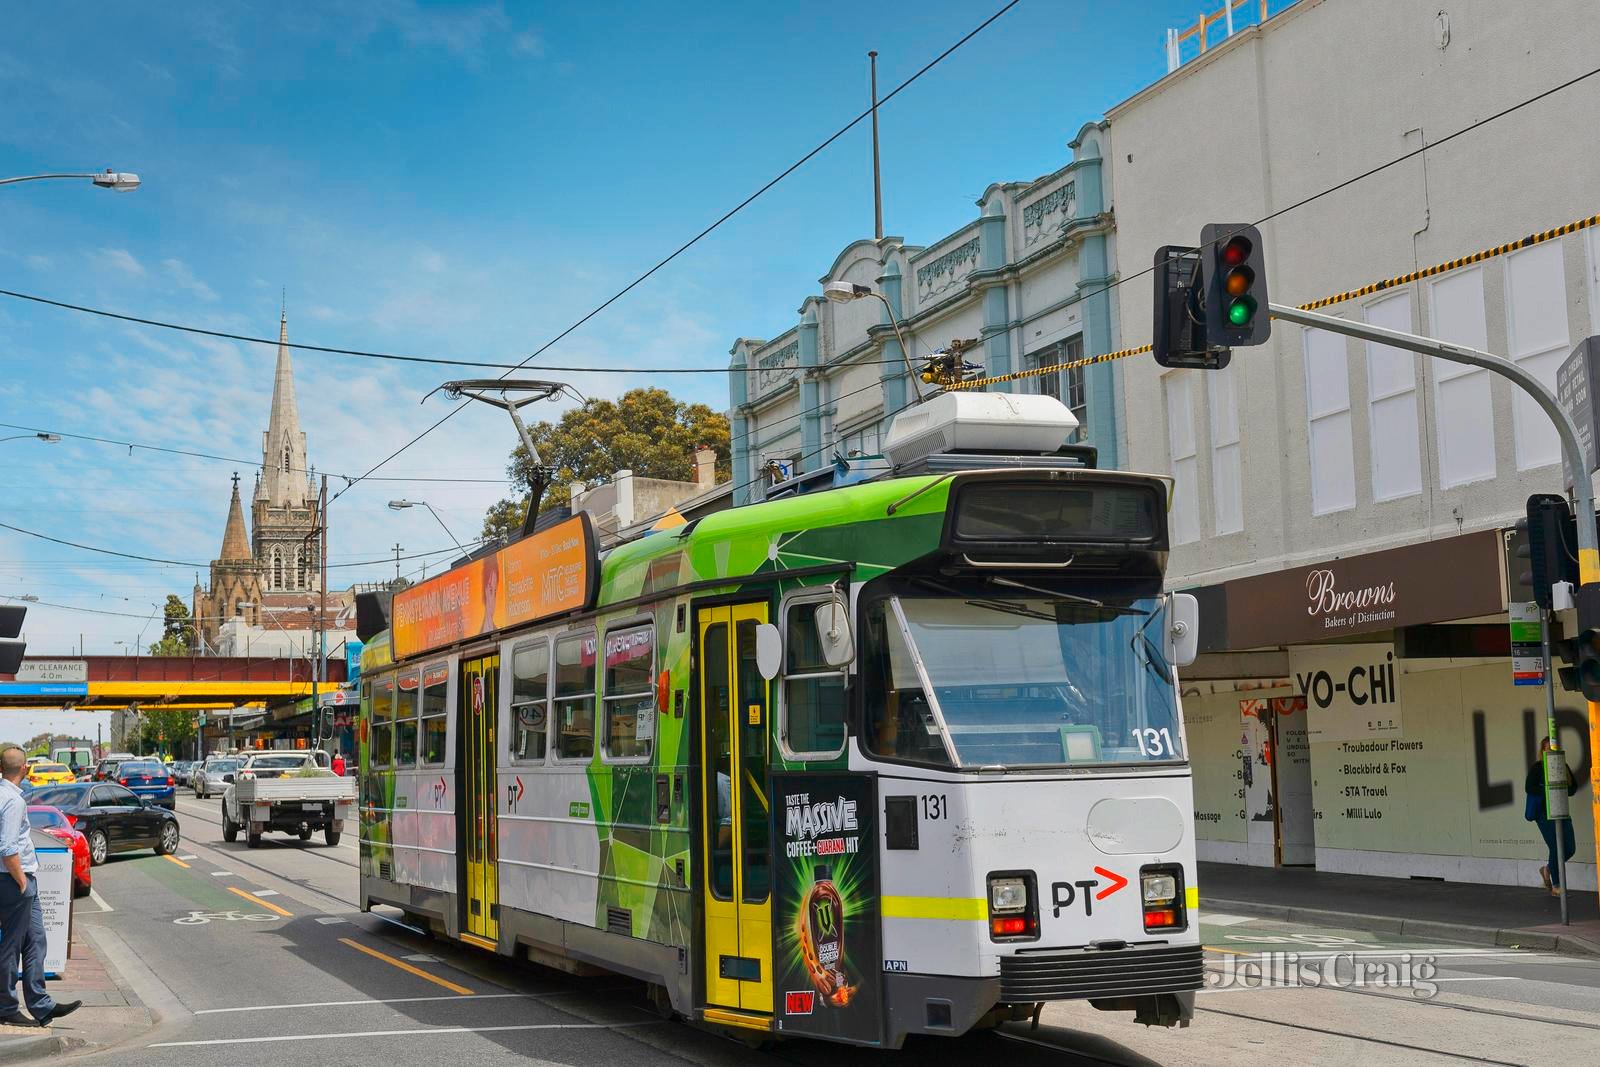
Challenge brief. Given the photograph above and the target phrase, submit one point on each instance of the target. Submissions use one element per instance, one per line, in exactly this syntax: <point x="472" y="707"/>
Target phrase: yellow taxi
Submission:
<point x="50" y="774"/>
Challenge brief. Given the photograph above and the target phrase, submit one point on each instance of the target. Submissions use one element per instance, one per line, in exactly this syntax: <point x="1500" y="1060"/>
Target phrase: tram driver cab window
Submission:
<point x="812" y="725"/>
<point x="574" y="696"/>
<point x="899" y="723"/>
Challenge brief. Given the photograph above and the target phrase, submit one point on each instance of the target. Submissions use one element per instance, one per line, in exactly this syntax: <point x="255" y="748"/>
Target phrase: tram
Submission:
<point x="903" y="756"/>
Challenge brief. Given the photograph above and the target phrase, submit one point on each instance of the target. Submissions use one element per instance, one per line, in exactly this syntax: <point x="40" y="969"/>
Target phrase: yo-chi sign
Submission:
<point x="548" y="573"/>
<point x="1436" y="581"/>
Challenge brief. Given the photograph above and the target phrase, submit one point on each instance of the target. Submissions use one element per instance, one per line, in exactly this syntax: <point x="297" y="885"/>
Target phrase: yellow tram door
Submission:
<point x="736" y="857"/>
<point x="475" y="798"/>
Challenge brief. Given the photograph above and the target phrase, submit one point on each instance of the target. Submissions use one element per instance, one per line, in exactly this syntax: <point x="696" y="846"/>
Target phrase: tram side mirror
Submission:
<point x="833" y="633"/>
<point x="769" y="650"/>
<point x="1183" y="629"/>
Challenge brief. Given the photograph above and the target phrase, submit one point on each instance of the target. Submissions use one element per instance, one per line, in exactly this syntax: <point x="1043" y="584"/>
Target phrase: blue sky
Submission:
<point x="460" y="180"/>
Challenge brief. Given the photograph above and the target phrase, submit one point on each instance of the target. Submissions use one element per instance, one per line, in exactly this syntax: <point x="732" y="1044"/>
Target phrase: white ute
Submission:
<point x="289" y="792"/>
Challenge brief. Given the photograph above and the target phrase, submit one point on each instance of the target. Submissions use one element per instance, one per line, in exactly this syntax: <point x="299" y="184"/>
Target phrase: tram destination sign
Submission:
<point x="547" y="573"/>
<point x="826" y="952"/>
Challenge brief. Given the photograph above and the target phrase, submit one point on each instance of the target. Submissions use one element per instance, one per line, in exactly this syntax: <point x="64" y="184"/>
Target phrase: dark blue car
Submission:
<point x="149" y="778"/>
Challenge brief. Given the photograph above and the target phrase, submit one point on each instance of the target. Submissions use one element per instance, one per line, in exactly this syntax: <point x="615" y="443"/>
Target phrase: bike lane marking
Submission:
<point x="269" y="905"/>
<point x="173" y="859"/>
<point x="408" y="968"/>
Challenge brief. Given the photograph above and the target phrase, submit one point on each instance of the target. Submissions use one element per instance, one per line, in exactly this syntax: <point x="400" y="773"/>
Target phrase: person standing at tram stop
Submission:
<point x="1548" y="828"/>
<point x="22" y="934"/>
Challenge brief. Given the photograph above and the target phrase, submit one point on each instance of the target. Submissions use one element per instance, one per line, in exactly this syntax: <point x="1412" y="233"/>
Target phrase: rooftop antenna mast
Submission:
<point x="510" y="395"/>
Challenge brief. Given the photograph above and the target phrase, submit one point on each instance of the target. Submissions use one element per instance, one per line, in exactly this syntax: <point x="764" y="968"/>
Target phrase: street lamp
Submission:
<point x="401" y="505"/>
<point x="47" y="438"/>
<point x="121" y="181"/>
<point x="844" y="292"/>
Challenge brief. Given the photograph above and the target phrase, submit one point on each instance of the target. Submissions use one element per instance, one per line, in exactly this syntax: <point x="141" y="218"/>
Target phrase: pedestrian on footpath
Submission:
<point x="1535" y="813"/>
<point x="22" y="935"/>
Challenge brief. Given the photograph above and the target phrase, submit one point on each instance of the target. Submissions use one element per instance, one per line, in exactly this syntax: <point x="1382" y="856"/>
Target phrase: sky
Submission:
<point x="457" y="180"/>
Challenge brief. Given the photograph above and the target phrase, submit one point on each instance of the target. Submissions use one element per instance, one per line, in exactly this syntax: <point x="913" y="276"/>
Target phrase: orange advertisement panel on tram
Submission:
<point x="548" y="573"/>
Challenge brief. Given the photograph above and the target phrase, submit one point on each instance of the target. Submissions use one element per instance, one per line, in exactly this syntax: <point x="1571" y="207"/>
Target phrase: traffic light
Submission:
<point x="1179" y="338"/>
<point x="1233" y="277"/>
<point x="11" y="644"/>
<point x="1552" y="545"/>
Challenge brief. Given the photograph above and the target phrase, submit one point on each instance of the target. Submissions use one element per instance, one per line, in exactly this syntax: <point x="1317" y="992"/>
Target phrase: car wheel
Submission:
<point x="331" y="836"/>
<point x="99" y="848"/>
<point x="167" y="843"/>
<point x="252" y="839"/>
<point x="230" y="829"/>
<point x="304" y="833"/>
<point x="80" y="889"/>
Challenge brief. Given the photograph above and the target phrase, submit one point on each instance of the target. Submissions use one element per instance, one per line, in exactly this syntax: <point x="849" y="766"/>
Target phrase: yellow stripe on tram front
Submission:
<point x="1191" y="897"/>
<point x="953" y="908"/>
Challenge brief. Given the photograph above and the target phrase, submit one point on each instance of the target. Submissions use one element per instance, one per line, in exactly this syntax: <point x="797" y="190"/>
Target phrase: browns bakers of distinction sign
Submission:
<point x="548" y="573"/>
<point x="1436" y="581"/>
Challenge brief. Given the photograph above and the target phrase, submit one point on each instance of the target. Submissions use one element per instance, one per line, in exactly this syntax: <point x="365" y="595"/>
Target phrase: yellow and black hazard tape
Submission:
<point x="1327" y="301"/>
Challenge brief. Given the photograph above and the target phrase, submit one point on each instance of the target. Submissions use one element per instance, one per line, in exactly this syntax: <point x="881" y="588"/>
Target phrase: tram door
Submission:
<point x="737" y="861"/>
<point x="475" y="797"/>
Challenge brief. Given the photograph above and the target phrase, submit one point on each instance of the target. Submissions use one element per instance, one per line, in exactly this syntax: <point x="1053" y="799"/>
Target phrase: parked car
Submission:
<point x="48" y="820"/>
<point x="47" y="773"/>
<point x="181" y="769"/>
<point x="112" y="818"/>
<point x="106" y="769"/>
<point x="213" y="775"/>
<point x="149" y="778"/>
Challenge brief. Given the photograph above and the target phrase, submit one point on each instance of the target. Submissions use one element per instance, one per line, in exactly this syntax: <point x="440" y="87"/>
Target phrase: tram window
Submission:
<point x="405" y="714"/>
<point x="630" y="700"/>
<point x="751" y="695"/>
<point x="435" y="712"/>
<point x="574" y="697"/>
<point x="382" y="753"/>
<point x="530" y="700"/>
<point x="813" y="710"/>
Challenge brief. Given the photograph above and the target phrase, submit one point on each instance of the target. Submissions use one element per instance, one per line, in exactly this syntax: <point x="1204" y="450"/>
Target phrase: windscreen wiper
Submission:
<point x="1055" y="594"/>
<point x="1011" y="607"/>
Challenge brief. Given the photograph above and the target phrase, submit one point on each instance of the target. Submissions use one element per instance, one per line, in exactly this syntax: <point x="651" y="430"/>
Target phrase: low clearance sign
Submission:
<point x="548" y="573"/>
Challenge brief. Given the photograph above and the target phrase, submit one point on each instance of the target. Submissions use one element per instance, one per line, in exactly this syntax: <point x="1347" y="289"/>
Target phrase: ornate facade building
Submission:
<point x="266" y="577"/>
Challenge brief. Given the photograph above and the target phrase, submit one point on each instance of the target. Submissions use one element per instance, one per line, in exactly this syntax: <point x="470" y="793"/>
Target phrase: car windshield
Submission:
<point x="222" y="766"/>
<point x="277" y="762"/>
<point x="1014" y="679"/>
<point x="46" y="819"/>
<point x="149" y="770"/>
<point x="50" y="768"/>
<point x="58" y="796"/>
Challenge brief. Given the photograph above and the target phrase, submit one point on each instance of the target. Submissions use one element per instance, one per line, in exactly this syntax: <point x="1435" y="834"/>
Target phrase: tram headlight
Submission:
<point x="1158" y="887"/>
<point x="1161" y="896"/>
<point x="1007" y="896"/>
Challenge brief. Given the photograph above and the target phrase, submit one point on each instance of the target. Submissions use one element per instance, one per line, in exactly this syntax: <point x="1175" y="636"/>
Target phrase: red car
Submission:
<point x="49" y="820"/>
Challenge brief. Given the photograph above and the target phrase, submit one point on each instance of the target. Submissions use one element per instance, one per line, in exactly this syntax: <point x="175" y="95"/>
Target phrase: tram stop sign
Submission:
<point x="1577" y="390"/>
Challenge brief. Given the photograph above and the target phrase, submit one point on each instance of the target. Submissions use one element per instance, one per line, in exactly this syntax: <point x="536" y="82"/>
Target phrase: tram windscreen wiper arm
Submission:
<point x="1055" y="594"/>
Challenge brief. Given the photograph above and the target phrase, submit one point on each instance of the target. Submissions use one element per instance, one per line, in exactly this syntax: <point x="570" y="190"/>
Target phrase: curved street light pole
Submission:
<point x="47" y="438"/>
<point x="121" y="181"/>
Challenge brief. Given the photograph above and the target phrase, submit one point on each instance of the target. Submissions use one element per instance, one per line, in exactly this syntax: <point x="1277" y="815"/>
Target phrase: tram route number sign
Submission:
<point x="826" y="931"/>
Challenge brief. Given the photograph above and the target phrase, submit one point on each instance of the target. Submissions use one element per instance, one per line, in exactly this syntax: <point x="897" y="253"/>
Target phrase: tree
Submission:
<point x="646" y="431"/>
<point x="177" y="629"/>
<point x="163" y="730"/>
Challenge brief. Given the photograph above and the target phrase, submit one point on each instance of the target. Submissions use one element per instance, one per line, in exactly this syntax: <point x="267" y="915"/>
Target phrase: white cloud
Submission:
<point x="430" y="261"/>
<point x="184" y="279"/>
<point x="528" y="43"/>
<point x="37" y="262"/>
<point x="120" y="259"/>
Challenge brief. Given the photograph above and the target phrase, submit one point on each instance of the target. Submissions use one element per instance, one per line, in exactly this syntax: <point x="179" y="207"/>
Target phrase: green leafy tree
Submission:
<point x="177" y="629"/>
<point x="647" y="431"/>
<point x="165" y="730"/>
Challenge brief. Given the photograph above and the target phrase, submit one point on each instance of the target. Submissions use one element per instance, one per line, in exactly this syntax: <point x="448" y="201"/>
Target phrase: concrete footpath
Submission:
<point x="1509" y="916"/>
<point x="111" y="1011"/>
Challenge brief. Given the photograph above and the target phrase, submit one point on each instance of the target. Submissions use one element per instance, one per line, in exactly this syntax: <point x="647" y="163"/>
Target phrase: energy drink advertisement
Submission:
<point x="827" y="932"/>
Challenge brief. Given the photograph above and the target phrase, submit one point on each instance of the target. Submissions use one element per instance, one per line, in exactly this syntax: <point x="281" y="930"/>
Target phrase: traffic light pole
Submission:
<point x="1582" y="491"/>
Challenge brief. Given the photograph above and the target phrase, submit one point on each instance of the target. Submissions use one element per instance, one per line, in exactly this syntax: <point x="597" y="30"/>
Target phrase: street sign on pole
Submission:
<point x="1577" y="386"/>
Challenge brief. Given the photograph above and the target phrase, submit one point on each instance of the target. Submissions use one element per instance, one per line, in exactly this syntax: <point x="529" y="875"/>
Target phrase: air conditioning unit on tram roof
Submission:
<point x="974" y="423"/>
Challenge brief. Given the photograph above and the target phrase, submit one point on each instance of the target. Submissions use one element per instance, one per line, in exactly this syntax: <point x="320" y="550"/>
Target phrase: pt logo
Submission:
<point x="1063" y="894"/>
<point x="513" y="794"/>
<point x="438" y="792"/>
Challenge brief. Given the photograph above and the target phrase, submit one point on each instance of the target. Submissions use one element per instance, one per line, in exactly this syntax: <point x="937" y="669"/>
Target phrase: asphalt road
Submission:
<point x="260" y="957"/>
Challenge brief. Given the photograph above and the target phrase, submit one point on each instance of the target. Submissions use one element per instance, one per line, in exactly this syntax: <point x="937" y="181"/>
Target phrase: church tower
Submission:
<point x="235" y="587"/>
<point x="284" y="512"/>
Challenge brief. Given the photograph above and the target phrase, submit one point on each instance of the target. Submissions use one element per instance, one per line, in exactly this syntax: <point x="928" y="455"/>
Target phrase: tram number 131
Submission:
<point x="1154" y="742"/>
<point x="935" y="806"/>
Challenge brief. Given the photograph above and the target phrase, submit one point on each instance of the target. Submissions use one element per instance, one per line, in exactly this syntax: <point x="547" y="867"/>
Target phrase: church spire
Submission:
<point x="235" y="544"/>
<point x="283" y="446"/>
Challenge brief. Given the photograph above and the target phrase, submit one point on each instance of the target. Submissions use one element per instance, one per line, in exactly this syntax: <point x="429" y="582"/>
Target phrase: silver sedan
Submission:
<point x="212" y="776"/>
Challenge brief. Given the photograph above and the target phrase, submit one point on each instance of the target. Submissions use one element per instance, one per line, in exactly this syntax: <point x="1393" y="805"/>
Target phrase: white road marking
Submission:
<point x="220" y="874"/>
<point x="94" y="895"/>
<point x="1480" y="978"/>
<point x="188" y="857"/>
<point x="393" y="1000"/>
<point x="266" y="892"/>
<point x="406" y="1033"/>
<point x="330" y="920"/>
<point x="1213" y="919"/>
<point x="421" y="957"/>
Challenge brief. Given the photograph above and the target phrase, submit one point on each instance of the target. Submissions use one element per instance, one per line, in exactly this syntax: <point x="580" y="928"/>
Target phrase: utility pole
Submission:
<point x="877" y="183"/>
<point x="397" y="551"/>
<point x="322" y="611"/>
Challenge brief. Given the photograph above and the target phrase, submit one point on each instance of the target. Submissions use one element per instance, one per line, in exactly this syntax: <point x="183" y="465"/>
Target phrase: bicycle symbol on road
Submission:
<point x="201" y="918"/>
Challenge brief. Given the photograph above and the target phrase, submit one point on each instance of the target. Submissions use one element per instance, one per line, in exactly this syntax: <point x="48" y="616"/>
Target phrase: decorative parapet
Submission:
<point x="1045" y="216"/>
<point x="777" y="368"/>
<point x="946" y="272"/>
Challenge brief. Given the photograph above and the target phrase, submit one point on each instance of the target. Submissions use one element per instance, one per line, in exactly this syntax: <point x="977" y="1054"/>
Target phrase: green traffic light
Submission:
<point x="1241" y="311"/>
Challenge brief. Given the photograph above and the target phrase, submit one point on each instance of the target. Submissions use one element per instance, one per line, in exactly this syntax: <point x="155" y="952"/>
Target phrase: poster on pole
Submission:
<point x="826" y="929"/>
<point x="55" y="900"/>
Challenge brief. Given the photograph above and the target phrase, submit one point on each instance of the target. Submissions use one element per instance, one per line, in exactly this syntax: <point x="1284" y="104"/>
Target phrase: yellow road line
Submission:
<point x="404" y="966"/>
<point x="1229" y="951"/>
<point x="269" y="905"/>
<point x="174" y="859"/>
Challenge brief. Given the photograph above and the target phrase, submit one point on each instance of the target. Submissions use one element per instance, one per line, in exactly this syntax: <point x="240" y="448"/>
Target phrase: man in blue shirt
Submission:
<point x="21" y="919"/>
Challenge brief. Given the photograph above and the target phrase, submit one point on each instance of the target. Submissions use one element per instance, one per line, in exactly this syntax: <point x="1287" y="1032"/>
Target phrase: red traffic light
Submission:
<point x="1236" y="251"/>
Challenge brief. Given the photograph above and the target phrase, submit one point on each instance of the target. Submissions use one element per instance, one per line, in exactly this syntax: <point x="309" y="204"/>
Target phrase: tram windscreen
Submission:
<point x="1019" y="680"/>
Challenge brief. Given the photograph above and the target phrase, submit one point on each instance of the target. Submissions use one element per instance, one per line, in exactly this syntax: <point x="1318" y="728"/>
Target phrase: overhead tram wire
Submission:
<point x="691" y="242"/>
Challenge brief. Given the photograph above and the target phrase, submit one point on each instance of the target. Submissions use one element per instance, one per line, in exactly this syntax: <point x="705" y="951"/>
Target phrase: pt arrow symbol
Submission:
<point x="519" y="787"/>
<point x="1117" y="882"/>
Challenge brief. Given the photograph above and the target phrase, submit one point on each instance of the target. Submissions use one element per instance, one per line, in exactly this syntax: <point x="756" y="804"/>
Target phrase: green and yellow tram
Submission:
<point x="902" y="756"/>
